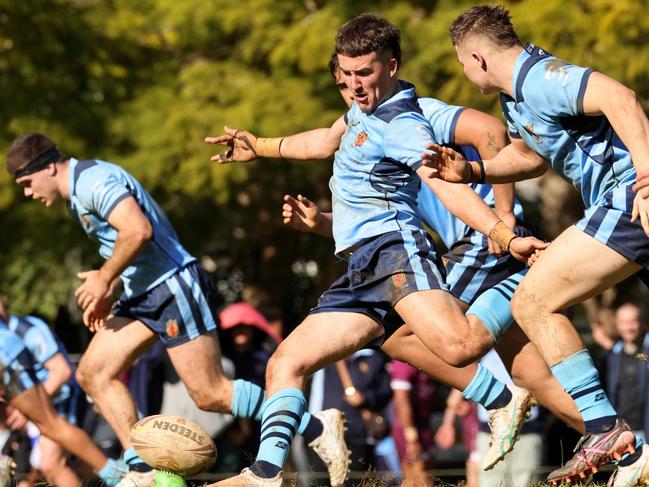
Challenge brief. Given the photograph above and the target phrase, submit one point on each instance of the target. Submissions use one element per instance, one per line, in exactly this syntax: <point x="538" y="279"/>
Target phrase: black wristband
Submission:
<point x="483" y="176"/>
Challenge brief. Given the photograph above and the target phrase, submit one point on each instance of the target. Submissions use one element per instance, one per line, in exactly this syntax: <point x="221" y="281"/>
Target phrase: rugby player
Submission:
<point x="592" y="131"/>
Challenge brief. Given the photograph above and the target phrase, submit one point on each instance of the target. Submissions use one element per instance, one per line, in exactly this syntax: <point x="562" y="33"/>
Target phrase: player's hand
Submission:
<point x="95" y="288"/>
<point x="522" y="248"/>
<point x="95" y="315"/>
<point x="508" y="219"/>
<point x="15" y="419"/>
<point x="531" y="260"/>
<point x="445" y="436"/>
<point x="447" y="164"/>
<point x="241" y="146"/>
<point x="641" y="208"/>
<point x="300" y="213"/>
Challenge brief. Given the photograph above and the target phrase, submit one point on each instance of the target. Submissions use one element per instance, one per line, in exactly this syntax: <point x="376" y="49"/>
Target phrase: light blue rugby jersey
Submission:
<point x="42" y="346"/>
<point x="96" y="187"/>
<point x="10" y="346"/>
<point x="374" y="184"/>
<point x="443" y="120"/>
<point x="547" y="113"/>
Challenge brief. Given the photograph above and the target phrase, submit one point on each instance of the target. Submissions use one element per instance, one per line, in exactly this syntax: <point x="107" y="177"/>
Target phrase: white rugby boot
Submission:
<point x="505" y="424"/>
<point x="331" y="446"/>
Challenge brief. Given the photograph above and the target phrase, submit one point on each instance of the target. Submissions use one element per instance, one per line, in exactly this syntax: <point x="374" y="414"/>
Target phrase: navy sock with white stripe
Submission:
<point x="281" y="415"/>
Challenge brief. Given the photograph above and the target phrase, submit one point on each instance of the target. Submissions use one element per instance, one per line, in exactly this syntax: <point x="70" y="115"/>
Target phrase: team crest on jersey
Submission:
<point x="360" y="139"/>
<point x="172" y="328"/>
<point x="399" y="279"/>
<point x="530" y="128"/>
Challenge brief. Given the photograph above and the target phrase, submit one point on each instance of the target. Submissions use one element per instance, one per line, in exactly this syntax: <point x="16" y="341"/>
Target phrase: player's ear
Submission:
<point x="52" y="169"/>
<point x="479" y="60"/>
<point x="393" y="65"/>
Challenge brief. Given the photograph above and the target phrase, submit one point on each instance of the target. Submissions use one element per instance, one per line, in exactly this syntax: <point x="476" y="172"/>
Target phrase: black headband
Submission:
<point x="41" y="162"/>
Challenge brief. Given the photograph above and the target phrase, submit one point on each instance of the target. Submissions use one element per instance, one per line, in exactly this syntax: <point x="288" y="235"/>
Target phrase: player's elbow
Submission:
<point x="143" y="232"/>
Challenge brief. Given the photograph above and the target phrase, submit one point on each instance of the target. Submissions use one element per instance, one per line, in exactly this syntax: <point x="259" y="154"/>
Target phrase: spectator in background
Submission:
<point x="413" y="393"/>
<point x="457" y="406"/>
<point x="363" y="397"/>
<point x="625" y="371"/>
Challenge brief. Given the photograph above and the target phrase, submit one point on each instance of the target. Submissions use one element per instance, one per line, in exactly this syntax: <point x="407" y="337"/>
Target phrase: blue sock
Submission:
<point x="247" y="399"/>
<point x="111" y="473"/>
<point x="281" y="414"/>
<point x="486" y="390"/>
<point x="310" y="427"/>
<point x="134" y="462"/>
<point x="493" y="308"/>
<point x="578" y="377"/>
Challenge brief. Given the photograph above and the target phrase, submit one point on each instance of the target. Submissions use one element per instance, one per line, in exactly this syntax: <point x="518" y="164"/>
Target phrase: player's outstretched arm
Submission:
<point x="621" y="107"/>
<point x="516" y="162"/>
<point x="243" y="146"/>
<point x="304" y="215"/>
<point x="465" y="204"/>
<point x="489" y="136"/>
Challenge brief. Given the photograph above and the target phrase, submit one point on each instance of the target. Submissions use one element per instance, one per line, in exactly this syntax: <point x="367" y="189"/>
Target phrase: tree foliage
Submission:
<point x="141" y="84"/>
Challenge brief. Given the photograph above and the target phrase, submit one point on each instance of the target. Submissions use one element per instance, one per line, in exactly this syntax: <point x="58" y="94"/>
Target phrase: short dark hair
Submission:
<point x="25" y="149"/>
<point x="334" y="64"/>
<point x="492" y="21"/>
<point x="368" y="33"/>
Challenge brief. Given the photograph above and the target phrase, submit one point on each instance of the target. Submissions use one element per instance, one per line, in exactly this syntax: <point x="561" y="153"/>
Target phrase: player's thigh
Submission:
<point x="323" y="338"/>
<point x="198" y="361"/>
<point x="572" y="269"/>
<point x="435" y="307"/>
<point x="115" y="347"/>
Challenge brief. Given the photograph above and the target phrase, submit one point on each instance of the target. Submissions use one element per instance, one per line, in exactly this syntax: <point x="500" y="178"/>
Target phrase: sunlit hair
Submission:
<point x="491" y="21"/>
<point x="26" y="148"/>
<point x="366" y="34"/>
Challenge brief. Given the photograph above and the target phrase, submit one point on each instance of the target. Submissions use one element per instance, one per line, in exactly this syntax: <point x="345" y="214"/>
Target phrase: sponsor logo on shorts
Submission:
<point x="172" y="328"/>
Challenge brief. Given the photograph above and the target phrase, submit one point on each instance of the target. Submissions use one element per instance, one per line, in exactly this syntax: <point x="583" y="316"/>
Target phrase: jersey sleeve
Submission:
<point x="406" y="137"/>
<point x="557" y="88"/>
<point x="40" y="340"/>
<point x="512" y="130"/>
<point x="442" y="118"/>
<point x="100" y="191"/>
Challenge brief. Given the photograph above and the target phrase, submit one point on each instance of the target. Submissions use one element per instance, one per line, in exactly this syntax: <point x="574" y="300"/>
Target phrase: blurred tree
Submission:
<point x="141" y="84"/>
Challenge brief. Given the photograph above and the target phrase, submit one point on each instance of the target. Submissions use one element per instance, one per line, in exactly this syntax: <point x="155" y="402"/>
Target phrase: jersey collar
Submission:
<point x="531" y="55"/>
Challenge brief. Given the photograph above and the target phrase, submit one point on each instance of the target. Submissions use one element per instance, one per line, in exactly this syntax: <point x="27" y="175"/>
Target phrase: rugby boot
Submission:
<point x="637" y="473"/>
<point x="7" y="467"/>
<point x="248" y="479"/>
<point x="594" y="450"/>
<point x="505" y="424"/>
<point x="331" y="446"/>
<point x="138" y="479"/>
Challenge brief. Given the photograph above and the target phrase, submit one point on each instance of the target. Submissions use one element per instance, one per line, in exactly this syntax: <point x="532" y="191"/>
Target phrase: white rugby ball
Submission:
<point x="174" y="444"/>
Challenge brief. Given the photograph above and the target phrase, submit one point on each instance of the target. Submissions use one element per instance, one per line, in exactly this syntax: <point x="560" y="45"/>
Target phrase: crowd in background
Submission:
<point x="403" y="428"/>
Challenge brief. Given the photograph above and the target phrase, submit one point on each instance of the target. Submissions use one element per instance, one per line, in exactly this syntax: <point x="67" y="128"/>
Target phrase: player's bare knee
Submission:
<point x="285" y="365"/>
<point x="524" y="306"/>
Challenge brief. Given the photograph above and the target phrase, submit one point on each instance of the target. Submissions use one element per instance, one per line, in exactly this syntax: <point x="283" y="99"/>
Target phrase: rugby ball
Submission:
<point x="174" y="444"/>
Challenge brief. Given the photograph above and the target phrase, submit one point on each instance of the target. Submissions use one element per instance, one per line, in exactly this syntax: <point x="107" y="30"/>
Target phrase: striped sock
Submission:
<point x="134" y="462"/>
<point x="247" y="399"/>
<point x="578" y="377"/>
<point x="310" y="427"/>
<point x="281" y="415"/>
<point x="486" y="390"/>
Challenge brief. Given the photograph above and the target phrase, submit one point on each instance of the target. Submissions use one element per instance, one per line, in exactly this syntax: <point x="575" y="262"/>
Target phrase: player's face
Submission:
<point x="370" y="78"/>
<point x="344" y="90"/>
<point x="474" y="66"/>
<point x="40" y="186"/>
